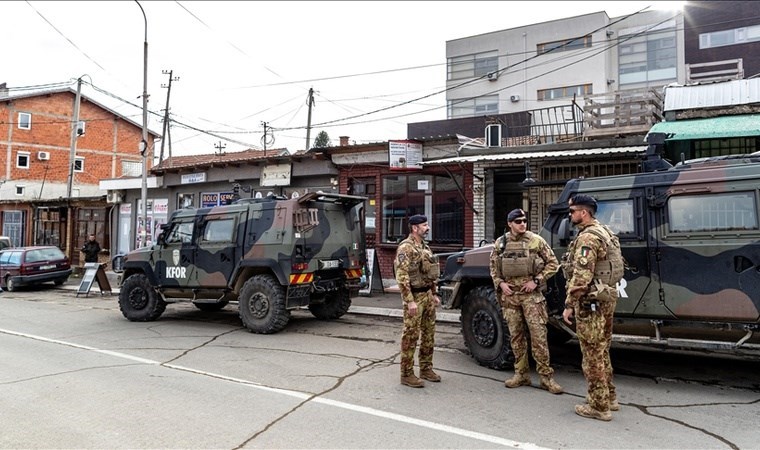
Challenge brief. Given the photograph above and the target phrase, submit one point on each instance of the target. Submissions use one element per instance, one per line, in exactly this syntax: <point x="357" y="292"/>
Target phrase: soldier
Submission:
<point x="521" y="262"/>
<point x="417" y="274"/>
<point x="91" y="248"/>
<point x="592" y="303"/>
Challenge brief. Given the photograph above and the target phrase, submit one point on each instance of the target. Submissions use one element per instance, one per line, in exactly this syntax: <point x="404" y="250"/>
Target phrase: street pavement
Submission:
<point x="387" y="303"/>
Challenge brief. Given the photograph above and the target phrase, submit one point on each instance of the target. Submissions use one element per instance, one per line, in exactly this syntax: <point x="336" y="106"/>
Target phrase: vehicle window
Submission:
<point x="219" y="230"/>
<point x="4" y="257"/>
<point x="44" y="254"/>
<point x="14" y="258"/>
<point x="617" y="214"/>
<point x="180" y="233"/>
<point x="713" y="212"/>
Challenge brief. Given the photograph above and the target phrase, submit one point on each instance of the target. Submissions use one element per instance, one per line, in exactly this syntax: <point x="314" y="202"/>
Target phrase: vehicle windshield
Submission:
<point x="44" y="254"/>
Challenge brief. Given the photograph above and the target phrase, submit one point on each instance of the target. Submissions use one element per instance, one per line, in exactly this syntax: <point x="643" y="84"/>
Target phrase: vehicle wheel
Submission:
<point x="262" y="305"/>
<point x="211" y="307"/>
<point x="138" y="301"/>
<point x="485" y="331"/>
<point x="10" y="286"/>
<point x="334" y="306"/>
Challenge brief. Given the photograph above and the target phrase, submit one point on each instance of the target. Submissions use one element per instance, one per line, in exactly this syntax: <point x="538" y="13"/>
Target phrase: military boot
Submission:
<point x="519" y="379"/>
<point x="429" y="375"/>
<point x="614" y="404"/>
<point x="412" y="381"/>
<point x="586" y="410"/>
<point x="550" y="385"/>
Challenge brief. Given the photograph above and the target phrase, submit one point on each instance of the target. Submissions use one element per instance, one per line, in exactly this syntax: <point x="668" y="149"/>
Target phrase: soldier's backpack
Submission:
<point x="611" y="270"/>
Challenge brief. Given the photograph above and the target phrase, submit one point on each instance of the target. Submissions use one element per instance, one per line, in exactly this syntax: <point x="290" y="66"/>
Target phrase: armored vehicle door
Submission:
<point x="174" y="267"/>
<point x="708" y="250"/>
<point x="217" y="250"/>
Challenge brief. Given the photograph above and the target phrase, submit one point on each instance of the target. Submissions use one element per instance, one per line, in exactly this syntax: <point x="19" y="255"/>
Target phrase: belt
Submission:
<point x="417" y="290"/>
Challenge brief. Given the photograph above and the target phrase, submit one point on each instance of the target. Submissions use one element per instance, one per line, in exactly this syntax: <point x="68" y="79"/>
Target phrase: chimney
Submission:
<point x="3" y="90"/>
<point x="343" y="141"/>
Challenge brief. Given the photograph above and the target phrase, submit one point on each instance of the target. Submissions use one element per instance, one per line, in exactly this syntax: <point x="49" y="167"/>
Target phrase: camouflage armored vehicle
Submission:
<point x="689" y="235"/>
<point x="271" y="255"/>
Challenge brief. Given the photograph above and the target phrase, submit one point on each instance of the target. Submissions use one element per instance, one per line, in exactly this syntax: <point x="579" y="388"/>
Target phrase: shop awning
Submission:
<point x="553" y="154"/>
<point x="713" y="128"/>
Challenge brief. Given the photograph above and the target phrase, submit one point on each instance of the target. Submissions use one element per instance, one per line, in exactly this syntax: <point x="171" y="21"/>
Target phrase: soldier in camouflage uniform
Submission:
<point x="592" y="304"/>
<point x="417" y="274"/>
<point x="520" y="263"/>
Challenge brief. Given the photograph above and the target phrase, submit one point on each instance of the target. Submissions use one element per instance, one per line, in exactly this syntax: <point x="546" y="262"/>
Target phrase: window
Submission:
<point x="618" y="215"/>
<point x="564" y="45"/>
<point x="729" y="37"/>
<point x="720" y="147"/>
<point x="471" y="66"/>
<point x="24" y="121"/>
<point x="185" y="201"/>
<point x="564" y="92"/>
<point x="80" y="128"/>
<point x="713" y="212"/>
<point x="13" y="226"/>
<point x="436" y="196"/>
<point x="20" y="189"/>
<point x="480" y="106"/>
<point x="219" y="230"/>
<point x="365" y="187"/>
<point x="78" y="164"/>
<point x="22" y="160"/>
<point x="648" y="56"/>
<point x="131" y="168"/>
<point x="180" y="233"/>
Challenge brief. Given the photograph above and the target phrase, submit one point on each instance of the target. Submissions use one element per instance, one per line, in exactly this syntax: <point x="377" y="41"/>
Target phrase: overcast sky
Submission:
<point x="243" y="63"/>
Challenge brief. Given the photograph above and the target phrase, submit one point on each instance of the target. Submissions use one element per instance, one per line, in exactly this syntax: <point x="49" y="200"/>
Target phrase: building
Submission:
<point x="53" y="162"/>
<point x="200" y="181"/>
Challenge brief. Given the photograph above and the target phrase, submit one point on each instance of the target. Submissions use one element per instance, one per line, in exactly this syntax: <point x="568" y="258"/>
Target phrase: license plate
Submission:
<point x="48" y="267"/>
<point x="329" y="264"/>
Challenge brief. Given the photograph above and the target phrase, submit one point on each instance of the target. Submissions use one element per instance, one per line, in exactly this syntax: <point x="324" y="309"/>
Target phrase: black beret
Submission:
<point x="515" y="214"/>
<point x="417" y="219"/>
<point x="585" y="200"/>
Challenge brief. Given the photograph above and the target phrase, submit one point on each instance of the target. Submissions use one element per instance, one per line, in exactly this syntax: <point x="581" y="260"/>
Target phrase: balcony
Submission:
<point x="621" y="113"/>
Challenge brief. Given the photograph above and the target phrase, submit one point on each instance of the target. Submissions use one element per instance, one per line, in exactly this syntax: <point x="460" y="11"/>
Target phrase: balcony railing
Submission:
<point x="622" y="113"/>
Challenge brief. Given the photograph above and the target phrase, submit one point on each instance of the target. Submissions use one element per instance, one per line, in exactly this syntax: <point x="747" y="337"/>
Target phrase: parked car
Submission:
<point x="31" y="266"/>
<point x="5" y="242"/>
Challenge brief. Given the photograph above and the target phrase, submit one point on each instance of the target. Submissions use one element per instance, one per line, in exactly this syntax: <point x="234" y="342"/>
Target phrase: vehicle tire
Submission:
<point x="262" y="305"/>
<point x="334" y="306"/>
<point x="138" y="301"/>
<point x="211" y="307"/>
<point x="10" y="286"/>
<point x="485" y="331"/>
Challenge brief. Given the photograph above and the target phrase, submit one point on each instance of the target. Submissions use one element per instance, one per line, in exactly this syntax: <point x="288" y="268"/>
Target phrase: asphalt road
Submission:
<point x="76" y="374"/>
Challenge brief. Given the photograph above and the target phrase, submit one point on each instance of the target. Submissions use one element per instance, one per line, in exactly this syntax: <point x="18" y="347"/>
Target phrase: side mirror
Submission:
<point x="565" y="232"/>
<point x="161" y="238"/>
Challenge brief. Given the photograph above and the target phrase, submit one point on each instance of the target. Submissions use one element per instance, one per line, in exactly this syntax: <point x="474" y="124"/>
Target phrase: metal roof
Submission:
<point x="727" y="93"/>
<point x="712" y="128"/>
<point x="552" y="154"/>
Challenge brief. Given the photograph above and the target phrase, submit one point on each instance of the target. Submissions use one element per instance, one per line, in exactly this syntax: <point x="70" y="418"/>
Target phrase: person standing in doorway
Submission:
<point x="91" y="249"/>
<point x="593" y="304"/>
<point x="417" y="274"/>
<point x="521" y="262"/>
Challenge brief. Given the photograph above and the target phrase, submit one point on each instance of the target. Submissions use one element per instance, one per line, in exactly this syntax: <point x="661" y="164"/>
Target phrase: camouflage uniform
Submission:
<point x="410" y="258"/>
<point x="593" y="312"/>
<point x="523" y="308"/>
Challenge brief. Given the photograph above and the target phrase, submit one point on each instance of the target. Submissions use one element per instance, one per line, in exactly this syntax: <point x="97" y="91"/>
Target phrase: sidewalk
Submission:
<point x="387" y="304"/>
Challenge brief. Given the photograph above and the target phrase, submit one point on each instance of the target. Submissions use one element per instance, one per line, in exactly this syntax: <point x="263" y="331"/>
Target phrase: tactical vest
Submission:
<point x="610" y="270"/>
<point x="426" y="271"/>
<point x="516" y="258"/>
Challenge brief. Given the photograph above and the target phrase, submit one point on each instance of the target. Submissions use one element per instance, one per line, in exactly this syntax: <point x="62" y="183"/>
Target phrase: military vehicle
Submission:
<point x="271" y="255"/>
<point x="689" y="234"/>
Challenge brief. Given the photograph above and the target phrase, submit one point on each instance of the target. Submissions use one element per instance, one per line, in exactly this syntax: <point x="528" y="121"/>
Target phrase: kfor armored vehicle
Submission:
<point x="690" y="237"/>
<point x="269" y="255"/>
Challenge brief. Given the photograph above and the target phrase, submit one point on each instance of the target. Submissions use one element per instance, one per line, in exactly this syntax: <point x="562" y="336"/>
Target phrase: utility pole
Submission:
<point x="165" y="132"/>
<point x="143" y="233"/>
<point x="74" y="136"/>
<point x="219" y="148"/>
<point x="264" y="138"/>
<point x="309" y="103"/>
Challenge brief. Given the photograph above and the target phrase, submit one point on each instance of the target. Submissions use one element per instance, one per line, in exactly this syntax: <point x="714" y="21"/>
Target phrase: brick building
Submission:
<point x="52" y="164"/>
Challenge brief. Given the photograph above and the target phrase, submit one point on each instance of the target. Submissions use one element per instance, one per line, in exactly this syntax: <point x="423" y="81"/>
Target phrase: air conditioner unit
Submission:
<point x="493" y="76"/>
<point x="115" y="197"/>
<point x="43" y="156"/>
<point x="514" y="98"/>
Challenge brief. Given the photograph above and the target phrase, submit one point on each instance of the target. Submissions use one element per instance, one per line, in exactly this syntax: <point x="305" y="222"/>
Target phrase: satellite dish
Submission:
<point x="294" y="194"/>
<point x="258" y="195"/>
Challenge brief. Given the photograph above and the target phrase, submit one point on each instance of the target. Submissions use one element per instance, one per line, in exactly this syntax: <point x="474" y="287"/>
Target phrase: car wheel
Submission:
<point x="333" y="306"/>
<point x="10" y="286"/>
<point x="262" y="305"/>
<point x="59" y="282"/>
<point x="138" y="301"/>
<point x="485" y="331"/>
